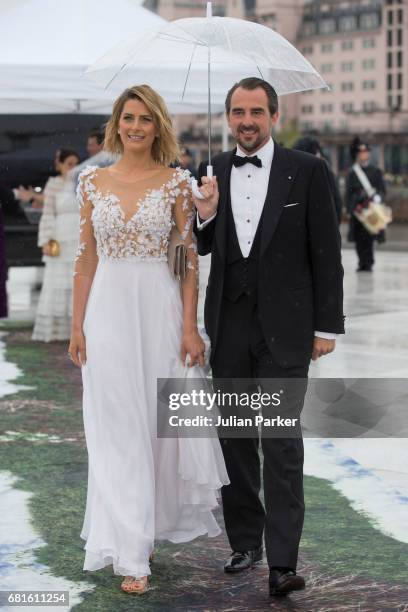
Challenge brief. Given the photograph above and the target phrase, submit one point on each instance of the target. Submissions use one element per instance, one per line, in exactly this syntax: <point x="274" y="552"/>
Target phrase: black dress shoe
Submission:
<point x="284" y="581"/>
<point x="243" y="560"/>
<point x="364" y="269"/>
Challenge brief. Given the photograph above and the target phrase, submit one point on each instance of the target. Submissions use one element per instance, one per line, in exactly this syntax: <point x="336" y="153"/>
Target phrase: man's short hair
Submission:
<point x="251" y="83"/>
<point x="98" y="134"/>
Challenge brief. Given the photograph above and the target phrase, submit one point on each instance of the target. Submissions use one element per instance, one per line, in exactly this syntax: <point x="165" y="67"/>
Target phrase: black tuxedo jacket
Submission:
<point x="300" y="275"/>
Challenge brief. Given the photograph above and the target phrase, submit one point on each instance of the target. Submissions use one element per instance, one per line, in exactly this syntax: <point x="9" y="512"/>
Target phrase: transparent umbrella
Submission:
<point x="196" y="60"/>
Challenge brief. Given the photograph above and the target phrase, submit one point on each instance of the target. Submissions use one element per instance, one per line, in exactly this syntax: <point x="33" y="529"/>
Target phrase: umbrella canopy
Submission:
<point x="174" y="60"/>
<point x="191" y="61"/>
<point x="45" y="46"/>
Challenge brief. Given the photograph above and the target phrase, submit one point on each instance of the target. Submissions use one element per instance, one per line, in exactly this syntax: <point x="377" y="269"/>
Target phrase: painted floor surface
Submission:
<point x="354" y="550"/>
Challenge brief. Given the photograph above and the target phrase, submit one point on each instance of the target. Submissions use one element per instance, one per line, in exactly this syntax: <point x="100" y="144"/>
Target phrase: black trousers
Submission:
<point x="364" y="242"/>
<point x="241" y="353"/>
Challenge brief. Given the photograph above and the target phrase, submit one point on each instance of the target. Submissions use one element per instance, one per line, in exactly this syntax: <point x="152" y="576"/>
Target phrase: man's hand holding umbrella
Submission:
<point x="207" y="205"/>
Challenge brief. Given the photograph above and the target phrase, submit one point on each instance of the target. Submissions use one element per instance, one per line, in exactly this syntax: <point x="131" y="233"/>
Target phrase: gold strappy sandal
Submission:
<point x="130" y="584"/>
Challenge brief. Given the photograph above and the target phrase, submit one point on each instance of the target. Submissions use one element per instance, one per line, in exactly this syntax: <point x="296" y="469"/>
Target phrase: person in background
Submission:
<point x="187" y="161"/>
<point x="94" y="144"/>
<point x="97" y="156"/>
<point x="29" y="195"/>
<point x="311" y="145"/>
<point x="355" y="195"/>
<point x="9" y="208"/>
<point x="3" y="266"/>
<point x="60" y="223"/>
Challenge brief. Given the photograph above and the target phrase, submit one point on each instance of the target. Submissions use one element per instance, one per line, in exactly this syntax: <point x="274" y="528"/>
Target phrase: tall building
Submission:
<point x="359" y="48"/>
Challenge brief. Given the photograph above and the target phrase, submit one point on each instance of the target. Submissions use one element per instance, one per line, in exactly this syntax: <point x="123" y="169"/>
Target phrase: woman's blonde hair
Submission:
<point x="165" y="148"/>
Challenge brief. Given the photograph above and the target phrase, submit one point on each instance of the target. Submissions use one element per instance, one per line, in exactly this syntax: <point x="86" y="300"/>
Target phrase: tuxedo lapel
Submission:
<point x="224" y="177"/>
<point x="281" y="179"/>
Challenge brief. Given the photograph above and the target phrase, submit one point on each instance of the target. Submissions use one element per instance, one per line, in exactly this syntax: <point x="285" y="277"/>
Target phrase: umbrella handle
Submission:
<point x="194" y="184"/>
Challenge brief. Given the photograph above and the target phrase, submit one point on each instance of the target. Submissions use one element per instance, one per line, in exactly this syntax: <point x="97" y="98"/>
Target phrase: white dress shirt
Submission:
<point x="248" y="188"/>
<point x="249" y="185"/>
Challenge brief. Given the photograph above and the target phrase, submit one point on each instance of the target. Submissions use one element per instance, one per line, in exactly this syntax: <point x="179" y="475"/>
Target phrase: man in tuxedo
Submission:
<point x="357" y="196"/>
<point x="273" y="302"/>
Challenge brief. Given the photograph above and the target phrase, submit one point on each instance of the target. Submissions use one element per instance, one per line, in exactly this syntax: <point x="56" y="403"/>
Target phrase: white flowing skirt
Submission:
<point x="140" y="487"/>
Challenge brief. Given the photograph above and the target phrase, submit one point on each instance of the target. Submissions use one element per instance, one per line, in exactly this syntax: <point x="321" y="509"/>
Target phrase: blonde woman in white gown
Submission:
<point x="131" y="325"/>
<point x="59" y="221"/>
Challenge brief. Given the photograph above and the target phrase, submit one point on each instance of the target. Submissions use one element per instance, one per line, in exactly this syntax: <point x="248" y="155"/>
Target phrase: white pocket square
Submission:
<point x="294" y="204"/>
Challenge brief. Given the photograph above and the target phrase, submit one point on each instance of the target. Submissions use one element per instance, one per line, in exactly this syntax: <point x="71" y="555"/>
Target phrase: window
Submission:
<point x="389" y="59"/>
<point x="399" y="38"/>
<point x="400" y="16"/>
<point x="390" y="17"/>
<point x="394" y="102"/>
<point x="369" y="21"/>
<point x="368" y="85"/>
<point x="347" y="86"/>
<point x="327" y="26"/>
<point x="328" y="90"/>
<point x="309" y="28"/>
<point x="347" y="107"/>
<point x="347" y="66"/>
<point x="399" y="59"/>
<point x="399" y="80"/>
<point x="269" y="21"/>
<point x="326" y="108"/>
<point x="368" y="64"/>
<point x="307" y="50"/>
<point x="369" y="106"/>
<point x="325" y="68"/>
<point x="307" y="109"/>
<point x="368" y="43"/>
<point x="327" y="47"/>
<point x="389" y="38"/>
<point x="347" y="23"/>
<point x="389" y="82"/>
<point x="347" y="44"/>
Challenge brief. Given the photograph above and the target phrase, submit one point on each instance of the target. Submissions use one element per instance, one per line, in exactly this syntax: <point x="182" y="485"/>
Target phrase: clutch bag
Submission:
<point x="177" y="255"/>
<point x="54" y="247"/>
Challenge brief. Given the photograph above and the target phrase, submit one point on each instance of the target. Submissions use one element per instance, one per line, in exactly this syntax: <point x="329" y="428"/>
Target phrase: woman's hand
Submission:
<point x="77" y="348"/>
<point x="192" y="344"/>
<point x="25" y="195"/>
<point x="46" y="249"/>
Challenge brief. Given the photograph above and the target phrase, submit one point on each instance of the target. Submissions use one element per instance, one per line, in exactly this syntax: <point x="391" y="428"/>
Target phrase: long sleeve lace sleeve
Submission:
<point x="183" y="218"/>
<point x="47" y="225"/>
<point x="86" y="259"/>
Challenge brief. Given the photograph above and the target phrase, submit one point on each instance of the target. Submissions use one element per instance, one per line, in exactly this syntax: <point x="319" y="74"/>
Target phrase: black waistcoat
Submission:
<point x="241" y="274"/>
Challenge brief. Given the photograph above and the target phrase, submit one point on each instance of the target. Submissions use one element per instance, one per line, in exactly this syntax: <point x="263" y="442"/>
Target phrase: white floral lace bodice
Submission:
<point x="122" y="220"/>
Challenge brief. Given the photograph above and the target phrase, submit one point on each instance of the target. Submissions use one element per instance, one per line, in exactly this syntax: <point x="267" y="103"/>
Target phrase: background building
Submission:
<point x="359" y="47"/>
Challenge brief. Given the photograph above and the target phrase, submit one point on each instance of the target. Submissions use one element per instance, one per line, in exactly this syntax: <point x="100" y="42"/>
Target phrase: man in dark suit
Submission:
<point x="273" y="302"/>
<point x="357" y="196"/>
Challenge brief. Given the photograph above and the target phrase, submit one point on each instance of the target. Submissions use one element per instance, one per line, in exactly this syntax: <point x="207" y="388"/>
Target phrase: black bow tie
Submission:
<point x="238" y="161"/>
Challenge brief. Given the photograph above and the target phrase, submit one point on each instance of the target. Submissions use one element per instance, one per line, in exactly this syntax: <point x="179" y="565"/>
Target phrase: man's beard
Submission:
<point x="249" y="147"/>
